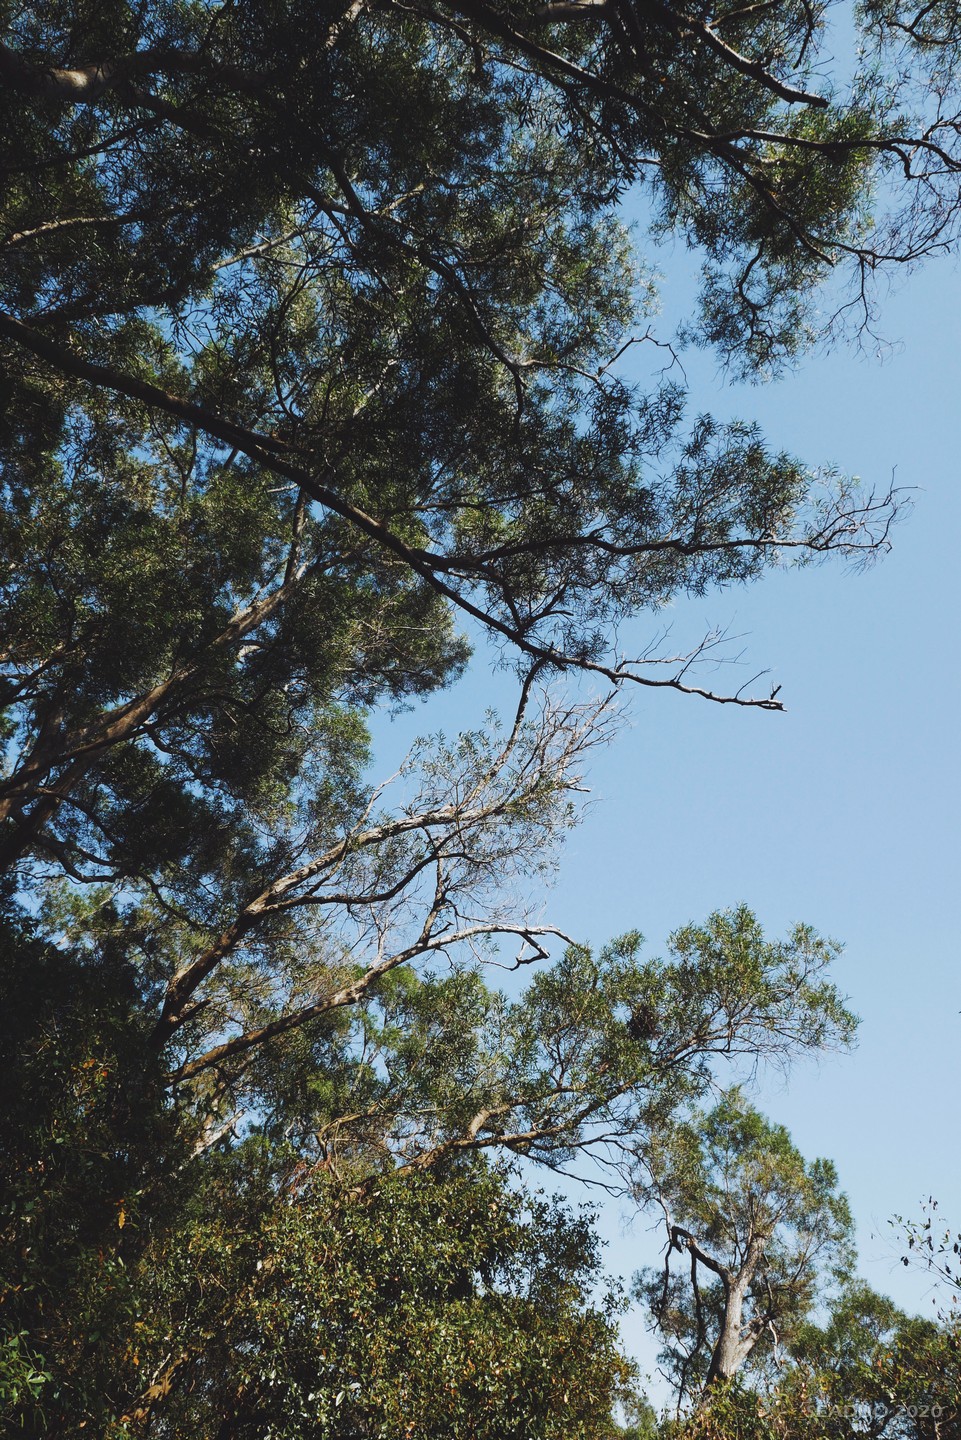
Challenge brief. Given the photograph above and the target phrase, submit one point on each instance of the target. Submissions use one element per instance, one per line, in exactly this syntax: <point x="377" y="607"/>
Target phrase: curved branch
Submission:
<point x="278" y="457"/>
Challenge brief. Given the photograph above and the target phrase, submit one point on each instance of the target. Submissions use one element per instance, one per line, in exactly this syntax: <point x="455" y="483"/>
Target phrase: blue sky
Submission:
<point x="842" y="812"/>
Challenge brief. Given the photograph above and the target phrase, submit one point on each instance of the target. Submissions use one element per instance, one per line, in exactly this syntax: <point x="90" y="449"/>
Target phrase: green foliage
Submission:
<point x="311" y="325"/>
<point x="889" y="1373"/>
<point x="763" y="1234"/>
<point x="896" y="1381"/>
<point x="90" y="1152"/>
<point x="308" y="320"/>
<point x="272" y="1299"/>
<point x="158" y="1266"/>
<point x="436" y="1305"/>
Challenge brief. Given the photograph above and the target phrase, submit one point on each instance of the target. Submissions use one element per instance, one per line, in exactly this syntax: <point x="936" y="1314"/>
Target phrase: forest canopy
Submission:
<point x="315" y="324"/>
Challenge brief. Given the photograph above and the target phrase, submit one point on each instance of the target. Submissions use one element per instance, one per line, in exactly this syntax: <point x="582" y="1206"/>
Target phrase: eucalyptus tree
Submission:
<point x="309" y="316"/>
<point x="244" y="1253"/>
<point x="761" y="1233"/>
<point x="313" y="322"/>
<point x="864" y="1368"/>
<point x="308" y="321"/>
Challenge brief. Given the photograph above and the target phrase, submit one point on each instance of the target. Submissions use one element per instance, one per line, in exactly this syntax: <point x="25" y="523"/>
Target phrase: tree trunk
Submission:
<point x="731" y="1349"/>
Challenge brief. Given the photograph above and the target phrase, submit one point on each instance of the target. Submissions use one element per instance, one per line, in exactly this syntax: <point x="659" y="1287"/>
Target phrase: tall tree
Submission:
<point x="311" y="326"/>
<point x="867" y="1369"/>
<point x="164" y="1264"/>
<point x="759" y="1231"/>
<point x="308" y="322"/>
<point x="308" y="318"/>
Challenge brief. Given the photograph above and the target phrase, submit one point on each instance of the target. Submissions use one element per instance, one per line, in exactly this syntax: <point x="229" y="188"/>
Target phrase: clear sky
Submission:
<point x="843" y="812"/>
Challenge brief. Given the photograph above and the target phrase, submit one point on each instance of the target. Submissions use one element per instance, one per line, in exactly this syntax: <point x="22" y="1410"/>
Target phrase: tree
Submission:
<point x="759" y="1229"/>
<point x="159" y="1260"/>
<point x="312" y="321"/>
<point x="889" y="1373"/>
<point x="247" y="1294"/>
<point x="866" y="1370"/>
<point x="931" y="1243"/>
<point x="783" y="1339"/>
<point x="291" y="389"/>
<point x="309" y="319"/>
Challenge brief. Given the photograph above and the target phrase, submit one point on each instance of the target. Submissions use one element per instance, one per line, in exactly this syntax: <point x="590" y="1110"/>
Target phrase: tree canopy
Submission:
<point x="866" y="1370"/>
<point x="316" y="325"/>
<point x="310" y="321"/>
<point x="759" y="1231"/>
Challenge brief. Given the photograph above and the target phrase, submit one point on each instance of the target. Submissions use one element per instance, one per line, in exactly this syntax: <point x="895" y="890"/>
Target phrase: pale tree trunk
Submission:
<point x="732" y="1348"/>
<point x="735" y="1343"/>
